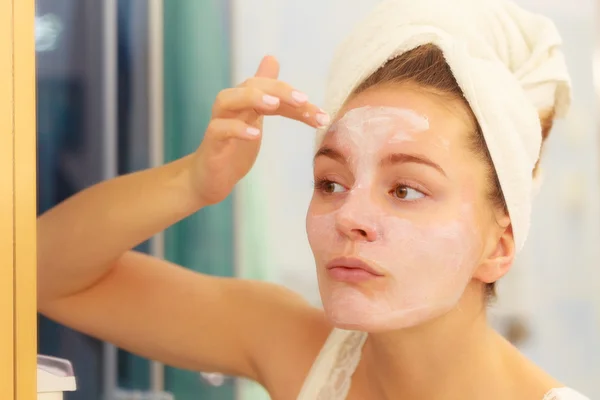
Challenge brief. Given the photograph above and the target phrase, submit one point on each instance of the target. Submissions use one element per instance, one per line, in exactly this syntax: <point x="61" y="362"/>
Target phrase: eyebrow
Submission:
<point x="403" y="158"/>
<point x="395" y="158"/>
<point x="330" y="153"/>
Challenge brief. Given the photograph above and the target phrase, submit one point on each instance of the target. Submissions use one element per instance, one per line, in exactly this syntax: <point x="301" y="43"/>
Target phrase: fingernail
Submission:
<point x="323" y="119"/>
<point x="270" y="100"/>
<point x="253" y="131"/>
<point x="299" y="97"/>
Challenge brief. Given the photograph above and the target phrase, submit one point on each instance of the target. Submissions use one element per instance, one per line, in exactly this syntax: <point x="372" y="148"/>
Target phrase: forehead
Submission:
<point x="447" y="118"/>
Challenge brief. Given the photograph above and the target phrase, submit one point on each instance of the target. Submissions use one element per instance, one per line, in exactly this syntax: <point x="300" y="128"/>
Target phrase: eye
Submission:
<point x="332" y="187"/>
<point x="404" y="192"/>
<point x="329" y="187"/>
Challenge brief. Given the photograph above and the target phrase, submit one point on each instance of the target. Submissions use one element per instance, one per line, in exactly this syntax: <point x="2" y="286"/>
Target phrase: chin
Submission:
<point x="381" y="322"/>
<point x="351" y="309"/>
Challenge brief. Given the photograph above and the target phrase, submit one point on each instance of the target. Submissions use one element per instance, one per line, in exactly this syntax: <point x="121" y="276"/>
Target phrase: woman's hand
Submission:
<point x="233" y="137"/>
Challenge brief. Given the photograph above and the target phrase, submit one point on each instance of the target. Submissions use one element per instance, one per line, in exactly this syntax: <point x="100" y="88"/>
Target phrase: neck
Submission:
<point x="455" y="355"/>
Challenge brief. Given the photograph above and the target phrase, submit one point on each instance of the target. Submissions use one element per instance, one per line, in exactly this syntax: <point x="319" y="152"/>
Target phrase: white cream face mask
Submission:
<point x="424" y="252"/>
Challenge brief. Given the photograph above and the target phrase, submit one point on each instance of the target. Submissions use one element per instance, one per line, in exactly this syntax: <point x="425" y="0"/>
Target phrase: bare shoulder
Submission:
<point x="530" y="381"/>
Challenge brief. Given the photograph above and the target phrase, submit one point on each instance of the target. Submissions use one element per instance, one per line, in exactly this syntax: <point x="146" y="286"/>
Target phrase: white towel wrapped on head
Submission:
<point x="506" y="60"/>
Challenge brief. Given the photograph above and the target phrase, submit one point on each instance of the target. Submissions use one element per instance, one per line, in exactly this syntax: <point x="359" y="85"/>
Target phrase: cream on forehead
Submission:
<point x="357" y="118"/>
<point x="377" y="121"/>
<point x="366" y="131"/>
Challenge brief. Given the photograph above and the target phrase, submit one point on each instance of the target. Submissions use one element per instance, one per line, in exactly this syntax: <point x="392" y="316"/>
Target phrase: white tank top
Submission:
<point x="331" y="374"/>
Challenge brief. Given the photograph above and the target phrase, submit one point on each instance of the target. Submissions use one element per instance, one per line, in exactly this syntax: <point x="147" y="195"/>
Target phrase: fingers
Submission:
<point x="265" y="95"/>
<point x="309" y="114"/>
<point x="223" y="129"/>
<point x="287" y="93"/>
<point x="269" y="97"/>
<point x="268" y="68"/>
<point x="243" y="98"/>
<point x="237" y="99"/>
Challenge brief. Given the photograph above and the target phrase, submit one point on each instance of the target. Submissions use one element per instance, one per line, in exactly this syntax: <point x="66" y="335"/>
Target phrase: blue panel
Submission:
<point x="197" y="67"/>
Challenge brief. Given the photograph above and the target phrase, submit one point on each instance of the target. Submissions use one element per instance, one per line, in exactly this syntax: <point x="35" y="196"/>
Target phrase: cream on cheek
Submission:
<point x="426" y="267"/>
<point x="427" y="264"/>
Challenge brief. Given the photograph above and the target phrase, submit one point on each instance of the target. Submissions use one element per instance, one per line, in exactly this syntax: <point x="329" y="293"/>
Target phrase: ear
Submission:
<point x="500" y="258"/>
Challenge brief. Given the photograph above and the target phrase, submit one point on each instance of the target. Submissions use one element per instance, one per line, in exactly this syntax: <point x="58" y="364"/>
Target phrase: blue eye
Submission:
<point x="404" y="192"/>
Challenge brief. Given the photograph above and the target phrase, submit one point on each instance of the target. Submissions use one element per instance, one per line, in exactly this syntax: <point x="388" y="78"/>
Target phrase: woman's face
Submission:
<point x="399" y="218"/>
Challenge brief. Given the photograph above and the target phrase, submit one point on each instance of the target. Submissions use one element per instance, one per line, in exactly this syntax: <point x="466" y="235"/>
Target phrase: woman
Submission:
<point x="421" y="202"/>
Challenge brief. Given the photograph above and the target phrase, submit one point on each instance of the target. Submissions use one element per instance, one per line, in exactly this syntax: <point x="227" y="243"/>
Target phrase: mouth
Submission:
<point x="352" y="270"/>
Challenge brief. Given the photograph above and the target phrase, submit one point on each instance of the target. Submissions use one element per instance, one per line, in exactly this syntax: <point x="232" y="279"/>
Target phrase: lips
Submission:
<point x="350" y="269"/>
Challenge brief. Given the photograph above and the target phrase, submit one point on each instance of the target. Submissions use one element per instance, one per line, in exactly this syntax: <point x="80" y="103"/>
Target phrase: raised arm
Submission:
<point x="90" y="280"/>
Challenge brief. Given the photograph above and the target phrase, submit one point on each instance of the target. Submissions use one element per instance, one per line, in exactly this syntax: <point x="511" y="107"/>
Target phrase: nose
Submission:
<point x="356" y="222"/>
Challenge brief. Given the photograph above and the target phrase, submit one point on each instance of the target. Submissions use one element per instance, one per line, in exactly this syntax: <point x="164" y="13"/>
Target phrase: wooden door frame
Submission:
<point x="18" y="322"/>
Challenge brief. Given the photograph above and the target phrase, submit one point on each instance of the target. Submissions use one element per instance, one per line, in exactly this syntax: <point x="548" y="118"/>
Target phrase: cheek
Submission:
<point x="446" y="249"/>
<point x="320" y="230"/>
<point x="430" y="251"/>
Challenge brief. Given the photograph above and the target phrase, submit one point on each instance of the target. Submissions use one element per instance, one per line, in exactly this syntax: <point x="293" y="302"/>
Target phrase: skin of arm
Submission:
<point x="88" y="279"/>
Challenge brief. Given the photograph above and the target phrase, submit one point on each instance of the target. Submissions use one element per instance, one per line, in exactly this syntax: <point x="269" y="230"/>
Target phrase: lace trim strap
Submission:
<point x="331" y="374"/>
<point x="564" y="394"/>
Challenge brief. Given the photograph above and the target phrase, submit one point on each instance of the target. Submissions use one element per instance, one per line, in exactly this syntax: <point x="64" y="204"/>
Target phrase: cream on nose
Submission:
<point x="356" y="219"/>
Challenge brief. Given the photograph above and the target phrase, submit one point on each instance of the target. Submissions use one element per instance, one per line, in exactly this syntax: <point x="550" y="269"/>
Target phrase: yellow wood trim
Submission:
<point x="25" y="167"/>
<point x="6" y="204"/>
